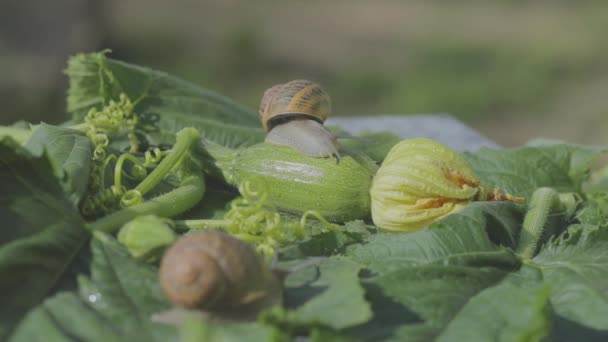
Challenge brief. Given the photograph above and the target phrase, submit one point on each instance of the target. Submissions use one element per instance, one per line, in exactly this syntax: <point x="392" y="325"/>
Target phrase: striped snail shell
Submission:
<point x="215" y="272"/>
<point x="293" y="114"/>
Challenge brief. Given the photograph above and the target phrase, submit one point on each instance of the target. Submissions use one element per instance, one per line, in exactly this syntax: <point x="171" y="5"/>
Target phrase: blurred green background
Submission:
<point x="512" y="69"/>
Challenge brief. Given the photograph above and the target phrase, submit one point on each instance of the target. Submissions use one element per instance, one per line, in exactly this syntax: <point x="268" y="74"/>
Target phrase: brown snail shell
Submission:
<point x="293" y="114"/>
<point x="213" y="271"/>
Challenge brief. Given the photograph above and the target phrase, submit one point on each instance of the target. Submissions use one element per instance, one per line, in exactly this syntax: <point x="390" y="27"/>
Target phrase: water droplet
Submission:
<point x="95" y="297"/>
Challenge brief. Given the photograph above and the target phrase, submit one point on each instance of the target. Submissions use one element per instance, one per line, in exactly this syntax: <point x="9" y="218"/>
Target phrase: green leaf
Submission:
<point x="576" y="267"/>
<point x="414" y="333"/>
<point x="41" y="232"/>
<point x="19" y="131"/>
<point x="522" y="170"/>
<point x="598" y="180"/>
<point x="164" y="102"/>
<point x="330" y="295"/>
<point x="327" y="243"/>
<point x="470" y="237"/>
<point x="514" y="310"/>
<point x="375" y="144"/>
<point x="65" y="317"/>
<point x="69" y="152"/>
<point x="229" y="135"/>
<point x="117" y="301"/>
<point x="195" y="329"/>
<point x="436" y="293"/>
<point x="594" y="210"/>
<point x="129" y="289"/>
<point x="420" y="300"/>
<point x="322" y="334"/>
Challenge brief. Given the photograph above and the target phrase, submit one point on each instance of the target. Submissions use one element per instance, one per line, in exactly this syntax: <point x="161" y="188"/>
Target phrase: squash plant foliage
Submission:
<point x="459" y="279"/>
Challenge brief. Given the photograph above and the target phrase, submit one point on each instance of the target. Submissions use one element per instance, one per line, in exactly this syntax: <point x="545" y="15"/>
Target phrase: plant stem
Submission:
<point x="185" y="139"/>
<point x="545" y="202"/>
<point x="175" y="202"/>
<point x="201" y="224"/>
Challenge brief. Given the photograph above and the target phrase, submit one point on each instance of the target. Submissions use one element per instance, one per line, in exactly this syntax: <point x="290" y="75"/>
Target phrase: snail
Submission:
<point x="214" y="272"/>
<point x="293" y="114"/>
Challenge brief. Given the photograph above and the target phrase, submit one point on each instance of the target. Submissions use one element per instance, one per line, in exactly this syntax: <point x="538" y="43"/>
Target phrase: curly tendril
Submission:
<point x="113" y="118"/>
<point x="253" y="219"/>
<point x="131" y="198"/>
<point x="98" y="125"/>
<point x="103" y="201"/>
<point x="139" y="169"/>
<point x="106" y="199"/>
<point x="117" y="117"/>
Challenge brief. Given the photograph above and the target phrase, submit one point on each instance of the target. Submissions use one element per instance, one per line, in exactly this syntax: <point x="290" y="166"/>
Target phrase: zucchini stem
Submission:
<point x="185" y="139"/>
<point x="545" y="203"/>
<point x="184" y="225"/>
<point x="175" y="202"/>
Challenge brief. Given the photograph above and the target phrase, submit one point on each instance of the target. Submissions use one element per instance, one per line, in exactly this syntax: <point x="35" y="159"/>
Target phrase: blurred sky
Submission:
<point x="512" y="69"/>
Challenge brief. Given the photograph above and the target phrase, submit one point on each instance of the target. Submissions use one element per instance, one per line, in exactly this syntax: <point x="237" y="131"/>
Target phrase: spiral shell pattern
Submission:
<point x="292" y="99"/>
<point x="213" y="271"/>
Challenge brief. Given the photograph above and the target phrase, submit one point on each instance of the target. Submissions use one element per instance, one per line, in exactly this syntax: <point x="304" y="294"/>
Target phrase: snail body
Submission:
<point x="293" y="114"/>
<point x="215" y="272"/>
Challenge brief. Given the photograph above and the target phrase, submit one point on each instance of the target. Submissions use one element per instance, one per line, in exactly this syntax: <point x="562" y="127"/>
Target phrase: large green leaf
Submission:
<point x="166" y="102"/>
<point x="41" y="231"/>
<point x="415" y="302"/>
<point x="436" y="293"/>
<point x="330" y="295"/>
<point x="65" y="317"/>
<point x="69" y="152"/>
<point x="122" y="289"/>
<point x="523" y="307"/>
<point x="471" y="237"/>
<point x="521" y="170"/>
<point x="115" y="304"/>
<point x="576" y="268"/>
<point x="515" y="310"/>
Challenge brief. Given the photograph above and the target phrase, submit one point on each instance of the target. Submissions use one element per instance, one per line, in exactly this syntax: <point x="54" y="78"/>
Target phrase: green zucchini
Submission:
<point x="295" y="183"/>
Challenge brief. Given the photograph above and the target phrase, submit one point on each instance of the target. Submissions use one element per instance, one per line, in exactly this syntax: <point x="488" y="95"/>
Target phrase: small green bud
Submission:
<point x="420" y="181"/>
<point x="146" y="237"/>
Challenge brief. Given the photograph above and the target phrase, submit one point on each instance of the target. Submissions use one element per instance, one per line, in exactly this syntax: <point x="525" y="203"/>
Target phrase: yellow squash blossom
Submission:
<point x="420" y="181"/>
